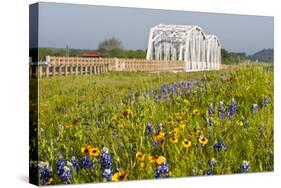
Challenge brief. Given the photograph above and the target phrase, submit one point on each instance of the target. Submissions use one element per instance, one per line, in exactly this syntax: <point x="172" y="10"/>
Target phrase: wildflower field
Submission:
<point x="136" y="125"/>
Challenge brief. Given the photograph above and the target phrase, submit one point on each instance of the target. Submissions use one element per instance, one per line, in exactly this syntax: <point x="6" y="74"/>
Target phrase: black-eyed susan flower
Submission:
<point x="191" y="133"/>
<point x="239" y="123"/>
<point x="159" y="135"/>
<point x="179" y="116"/>
<point x="161" y="142"/>
<point x="114" y="117"/>
<point x="50" y="181"/>
<point x="199" y="133"/>
<point x="186" y="143"/>
<point x="68" y="126"/>
<point x="174" y="140"/>
<point x="174" y="132"/>
<point x="196" y="112"/>
<point x="170" y="119"/>
<point x="119" y="176"/>
<point x="186" y="102"/>
<point x="203" y="141"/>
<point x="140" y="156"/>
<point x="182" y="124"/>
<point x="85" y="150"/>
<point x="94" y="151"/>
<point x="152" y="159"/>
<point x="143" y="164"/>
<point x="160" y="159"/>
<point x="127" y="112"/>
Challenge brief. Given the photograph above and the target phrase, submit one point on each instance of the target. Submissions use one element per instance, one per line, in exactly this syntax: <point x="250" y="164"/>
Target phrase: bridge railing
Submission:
<point x="63" y="66"/>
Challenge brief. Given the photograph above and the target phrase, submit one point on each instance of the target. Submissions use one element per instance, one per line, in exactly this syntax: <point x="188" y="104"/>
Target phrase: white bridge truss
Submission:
<point x="187" y="43"/>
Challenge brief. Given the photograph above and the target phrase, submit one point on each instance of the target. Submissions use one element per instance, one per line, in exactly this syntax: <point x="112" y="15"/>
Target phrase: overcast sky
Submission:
<point x="84" y="26"/>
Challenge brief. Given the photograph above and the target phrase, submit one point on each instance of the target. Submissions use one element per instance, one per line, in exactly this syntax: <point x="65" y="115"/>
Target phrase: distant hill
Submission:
<point x="265" y="55"/>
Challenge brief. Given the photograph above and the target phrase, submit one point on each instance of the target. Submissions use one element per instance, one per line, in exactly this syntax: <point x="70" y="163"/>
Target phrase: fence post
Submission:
<point x="70" y="69"/>
<point x="47" y="70"/>
<point x="90" y="71"/>
<point x="65" y="69"/>
<point x="76" y="69"/>
<point x="40" y="70"/>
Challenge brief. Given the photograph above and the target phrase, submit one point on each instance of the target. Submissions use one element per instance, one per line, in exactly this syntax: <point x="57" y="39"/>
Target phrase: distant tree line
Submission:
<point x="113" y="47"/>
<point x="119" y="53"/>
<point x="232" y="57"/>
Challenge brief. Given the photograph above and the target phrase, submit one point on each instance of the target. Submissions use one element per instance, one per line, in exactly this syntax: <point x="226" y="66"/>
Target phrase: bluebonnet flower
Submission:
<point x="100" y="106"/>
<point x="221" y="110"/>
<point x="64" y="169"/>
<point x="162" y="170"/>
<point x="265" y="101"/>
<point x="172" y="88"/>
<point x="66" y="176"/>
<point x="45" y="173"/>
<point x="255" y="107"/>
<point x="87" y="162"/>
<point x="60" y="165"/>
<point x="155" y="144"/>
<point x="246" y="123"/>
<point x="160" y="128"/>
<point x="245" y="166"/>
<point x="210" y="121"/>
<point x="232" y="108"/>
<point x="75" y="163"/>
<point x="106" y="163"/>
<point x="164" y="89"/>
<point x="219" y="146"/>
<point x="149" y="129"/>
<point x="211" y="110"/>
<point x="212" y="162"/>
<point x="209" y="172"/>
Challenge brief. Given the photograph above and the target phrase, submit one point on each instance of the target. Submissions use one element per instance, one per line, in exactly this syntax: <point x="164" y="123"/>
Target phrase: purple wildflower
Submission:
<point x="245" y="166"/>
<point x="265" y="101"/>
<point x="106" y="163"/>
<point x="211" y="110"/>
<point x="221" y="110"/>
<point x="232" y="108"/>
<point x="219" y="146"/>
<point x="87" y="162"/>
<point x="162" y="170"/>
<point x="209" y="172"/>
<point x="45" y="173"/>
<point x="255" y="107"/>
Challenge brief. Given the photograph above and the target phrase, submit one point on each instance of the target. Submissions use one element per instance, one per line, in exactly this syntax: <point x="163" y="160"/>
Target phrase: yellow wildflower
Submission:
<point x="127" y="112"/>
<point x="186" y="102"/>
<point x="196" y="112"/>
<point x="119" y="176"/>
<point x="186" y="143"/>
<point x="140" y="156"/>
<point x="203" y="140"/>
<point x="85" y="150"/>
<point x="160" y="160"/>
<point x="94" y="151"/>
<point x="174" y="140"/>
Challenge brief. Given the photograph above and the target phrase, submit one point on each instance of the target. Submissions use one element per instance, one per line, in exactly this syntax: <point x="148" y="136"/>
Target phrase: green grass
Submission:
<point x="87" y="110"/>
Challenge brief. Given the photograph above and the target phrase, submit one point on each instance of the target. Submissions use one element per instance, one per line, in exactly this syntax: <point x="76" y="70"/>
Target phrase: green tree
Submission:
<point x="110" y="44"/>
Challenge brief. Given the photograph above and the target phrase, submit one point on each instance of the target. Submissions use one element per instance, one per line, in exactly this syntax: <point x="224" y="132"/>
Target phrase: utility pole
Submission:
<point x="67" y="51"/>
